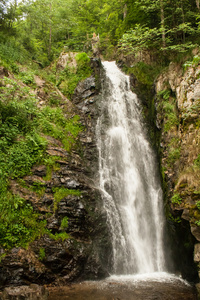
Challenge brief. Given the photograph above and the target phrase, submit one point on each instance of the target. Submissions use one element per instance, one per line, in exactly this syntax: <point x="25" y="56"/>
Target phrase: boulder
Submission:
<point x="32" y="292"/>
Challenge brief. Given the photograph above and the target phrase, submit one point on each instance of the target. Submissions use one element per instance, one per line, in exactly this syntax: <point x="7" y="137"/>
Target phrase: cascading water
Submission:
<point x="129" y="182"/>
<point x="133" y="201"/>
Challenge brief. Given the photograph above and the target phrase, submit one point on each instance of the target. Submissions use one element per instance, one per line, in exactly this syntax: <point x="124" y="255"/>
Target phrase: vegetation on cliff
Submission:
<point x="25" y="128"/>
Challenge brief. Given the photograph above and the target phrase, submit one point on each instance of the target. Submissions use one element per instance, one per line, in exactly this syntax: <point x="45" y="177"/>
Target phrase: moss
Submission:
<point x="64" y="223"/>
<point x="60" y="193"/>
<point x="42" y="254"/>
<point x="59" y="236"/>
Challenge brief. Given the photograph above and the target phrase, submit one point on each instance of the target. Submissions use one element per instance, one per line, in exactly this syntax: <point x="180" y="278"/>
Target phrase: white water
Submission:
<point x="128" y="179"/>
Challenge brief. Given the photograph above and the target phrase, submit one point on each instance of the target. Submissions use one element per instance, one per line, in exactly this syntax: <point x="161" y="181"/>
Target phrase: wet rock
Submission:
<point x="32" y="292"/>
<point x="39" y="171"/>
<point x="66" y="58"/>
<point x="34" y="179"/>
<point x="85" y="89"/>
<point x="196" y="232"/>
<point x="56" y="151"/>
<point x="197" y="253"/>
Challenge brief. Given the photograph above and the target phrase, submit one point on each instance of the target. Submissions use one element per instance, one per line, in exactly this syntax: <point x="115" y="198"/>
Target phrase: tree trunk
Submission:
<point x="162" y="23"/>
<point x="125" y="11"/>
<point x="50" y="32"/>
<point x="183" y="20"/>
<point x="197" y="3"/>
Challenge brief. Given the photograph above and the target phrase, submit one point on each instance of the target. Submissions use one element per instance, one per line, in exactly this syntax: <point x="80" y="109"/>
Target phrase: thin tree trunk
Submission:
<point x="197" y="3"/>
<point x="50" y="32"/>
<point x="125" y="11"/>
<point x="162" y="23"/>
<point x="183" y="20"/>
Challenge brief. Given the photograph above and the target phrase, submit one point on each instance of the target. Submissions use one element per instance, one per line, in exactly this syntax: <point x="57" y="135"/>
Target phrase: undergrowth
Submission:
<point x="68" y="78"/>
<point x="23" y="127"/>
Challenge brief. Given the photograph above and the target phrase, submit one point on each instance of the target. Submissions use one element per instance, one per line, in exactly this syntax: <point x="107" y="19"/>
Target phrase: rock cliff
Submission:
<point x="178" y="110"/>
<point x="171" y="105"/>
<point x="77" y="246"/>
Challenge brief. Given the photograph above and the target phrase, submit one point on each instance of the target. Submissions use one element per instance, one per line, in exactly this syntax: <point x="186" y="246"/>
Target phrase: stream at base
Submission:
<point x="157" y="286"/>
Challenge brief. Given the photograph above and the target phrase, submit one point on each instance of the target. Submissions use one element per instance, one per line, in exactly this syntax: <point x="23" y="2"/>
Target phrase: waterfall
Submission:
<point x="128" y="179"/>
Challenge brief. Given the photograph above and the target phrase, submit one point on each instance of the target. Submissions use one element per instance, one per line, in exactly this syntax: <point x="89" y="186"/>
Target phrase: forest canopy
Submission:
<point x="39" y="29"/>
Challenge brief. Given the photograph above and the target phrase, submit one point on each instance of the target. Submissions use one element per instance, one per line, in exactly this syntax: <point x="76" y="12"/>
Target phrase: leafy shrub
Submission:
<point x="19" y="224"/>
<point x="83" y="65"/>
<point x="27" y="78"/>
<point x="22" y="145"/>
<point x="165" y="94"/>
<point x="195" y="61"/>
<point x="12" y="50"/>
<point x="53" y="122"/>
<point x="70" y="77"/>
<point x="176" y="199"/>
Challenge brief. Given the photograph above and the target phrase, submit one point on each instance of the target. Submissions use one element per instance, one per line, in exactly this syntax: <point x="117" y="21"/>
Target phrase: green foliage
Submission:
<point x="144" y="73"/>
<point x="198" y="205"/>
<point x="22" y="145"/>
<point x="19" y="224"/>
<point x="197" y="161"/>
<point x="12" y="51"/>
<point x="176" y="199"/>
<point x="60" y="236"/>
<point x="70" y="76"/>
<point x="52" y="121"/>
<point x="83" y="65"/>
<point x="195" y="61"/>
<point x="174" y="219"/>
<point x="39" y="188"/>
<point x="140" y="38"/>
<point x="27" y="78"/>
<point x="60" y="193"/>
<point x="42" y="254"/>
<point x="173" y="155"/>
<point x="64" y="223"/>
<point x="193" y="109"/>
<point x="165" y="94"/>
<point x="168" y="108"/>
<point x="197" y="223"/>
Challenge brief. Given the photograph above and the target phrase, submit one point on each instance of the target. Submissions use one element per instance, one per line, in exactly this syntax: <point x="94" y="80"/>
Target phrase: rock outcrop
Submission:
<point x="79" y="249"/>
<point x="32" y="292"/>
<point x="178" y="111"/>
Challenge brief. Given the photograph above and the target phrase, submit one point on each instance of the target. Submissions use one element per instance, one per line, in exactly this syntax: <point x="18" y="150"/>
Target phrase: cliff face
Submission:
<point x="172" y="112"/>
<point x="77" y="245"/>
<point x="178" y="110"/>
